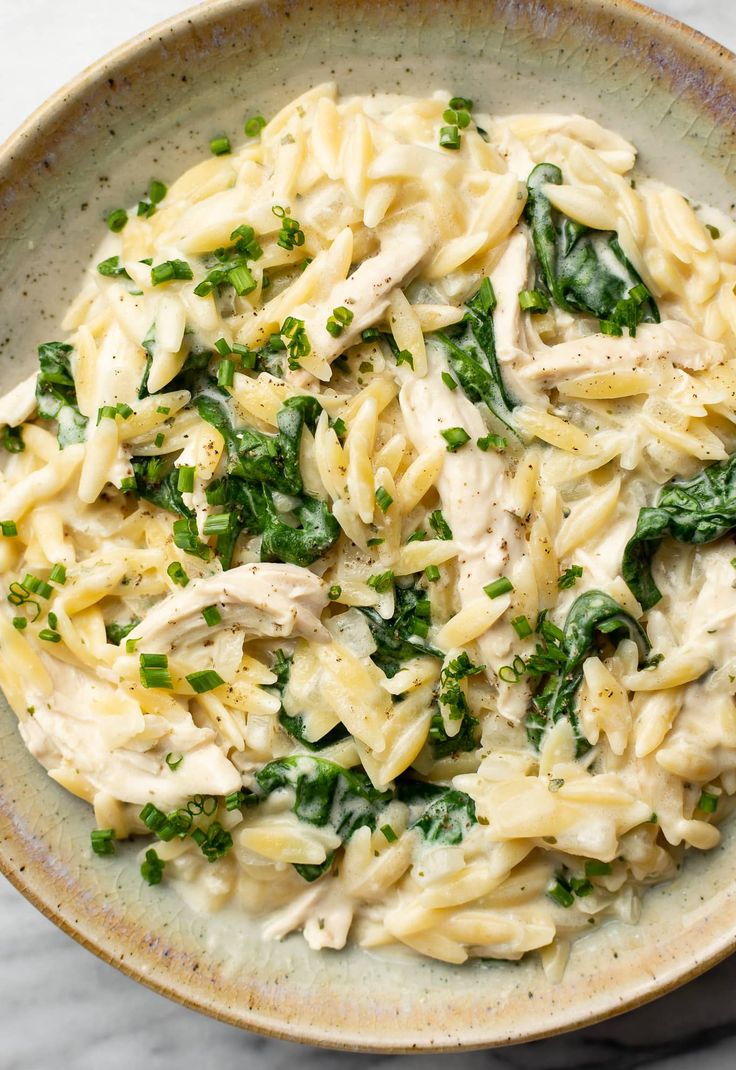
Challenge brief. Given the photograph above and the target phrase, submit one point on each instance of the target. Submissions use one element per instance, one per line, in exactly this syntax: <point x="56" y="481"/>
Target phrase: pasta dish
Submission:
<point x="367" y="539"/>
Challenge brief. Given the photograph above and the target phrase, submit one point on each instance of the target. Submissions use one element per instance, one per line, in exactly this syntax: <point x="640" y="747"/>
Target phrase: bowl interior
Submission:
<point x="149" y="111"/>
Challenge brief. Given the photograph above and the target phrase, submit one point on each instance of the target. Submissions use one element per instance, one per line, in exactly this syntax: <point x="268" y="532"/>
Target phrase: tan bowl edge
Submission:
<point x="29" y="138"/>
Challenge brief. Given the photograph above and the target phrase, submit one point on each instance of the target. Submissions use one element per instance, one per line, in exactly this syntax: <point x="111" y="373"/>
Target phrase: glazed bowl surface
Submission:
<point x="151" y="108"/>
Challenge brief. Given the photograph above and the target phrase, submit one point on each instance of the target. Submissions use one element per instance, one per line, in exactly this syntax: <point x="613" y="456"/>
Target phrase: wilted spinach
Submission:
<point x="584" y="270"/>
<point x="56" y="393"/>
<point x="558" y="660"/>
<point x="443" y="746"/>
<point x="400" y="638"/>
<point x="471" y="352"/>
<point x="695" y="511"/>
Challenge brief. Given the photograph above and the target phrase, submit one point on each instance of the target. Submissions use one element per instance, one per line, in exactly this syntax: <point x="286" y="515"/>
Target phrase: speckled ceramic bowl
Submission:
<point x="150" y="108"/>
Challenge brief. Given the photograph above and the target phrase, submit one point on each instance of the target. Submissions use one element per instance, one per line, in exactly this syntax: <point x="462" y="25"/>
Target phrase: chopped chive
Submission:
<point x="456" y="117"/>
<point x="581" y="887"/>
<point x="214" y="843"/>
<point x="130" y="645"/>
<point x="234" y="801"/>
<point x="156" y="677"/>
<point x="20" y="623"/>
<point x="561" y="894"/>
<point x="383" y="499"/>
<point x="123" y="410"/>
<point x="169" y="271"/>
<point x="217" y="524"/>
<point x="449" y="381"/>
<point x="35" y="586"/>
<point x="594" y="868"/>
<point x="254" y="125"/>
<point x="185" y="479"/>
<point x="116" y="220"/>
<point x="491" y="442"/>
<point x="449" y="137"/>
<point x="225" y="373"/>
<point x="220" y="146"/>
<point x="152" y="817"/>
<point x="708" y="802"/>
<point x="112" y="269"/>
<point x="439" y="525"/>
<point x="107" y="412"/>
<point x="370" y="334"/>
<point x="432" y="573"/>
<point x="498" y="587"/>
<point x="9" y="528"/>
<point x="206" y="680"/>
<point x="713" y="231"/>
<point x="156" y="191"/>
<point x="610" y="328"/>
<point x="461" y="103"/>
<point x="159" y="440"/>
<point x="12" y="439"/>
<point x="522" y="627"/>
<point x="174" y="760"/>
<point x="176" y="574"/>
<point x="533" y="301"/>
<point x="102" y="841"/>
<point x="339" y="427"/>
<point x="375" y="542"/>
<point x="145" y="209"/>
<point x="455" y="437"/>
<point x="381" y="582"/>
<point x="53" y="621"/>
<point x="389" y="833"/>
<point x="186" y="538"/>
<point x="152" y="867"/>
<point x="154" y="661"/>
<point x="241" y="279"/>
<point x="334" y="592"/>
<point x="417" y="536"/>
<point x="212" y="616"/>
<point x="163" y="409"/>
<point x="223" y="347"/>
<point x="405" y="357"/>
<point x="569" y="577"/>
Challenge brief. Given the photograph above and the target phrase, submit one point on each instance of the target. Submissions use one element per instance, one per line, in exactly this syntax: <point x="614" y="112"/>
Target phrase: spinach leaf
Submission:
<point x="314" y="872"/>
<point x="259" y="457"/>
<point x="448" y="818"/>
<point x="258" y="462"/>
<point x="318" y="531"/>
<point x="115" y="633"/>
<point x="294" y="725"/>
<point x="398" y="639"/>
<point x="246" y="503"/>
<point x="442" y="745"/>
<point x="559" y="662"/>
<point x="56" y="393"/>
<point x="325" y="793"/>
<point x="472" y="355"/>
<point x="584" y="270"/>
<point x="156" y="481"/>
<point x="694" y="511"/>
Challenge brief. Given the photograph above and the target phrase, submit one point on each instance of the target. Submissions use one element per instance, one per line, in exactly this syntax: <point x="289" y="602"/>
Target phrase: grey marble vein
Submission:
<point x="62" y="1008"/>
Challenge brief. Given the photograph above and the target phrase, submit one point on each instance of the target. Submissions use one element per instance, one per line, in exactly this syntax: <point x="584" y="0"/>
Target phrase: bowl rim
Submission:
<point x="33" y="128"/>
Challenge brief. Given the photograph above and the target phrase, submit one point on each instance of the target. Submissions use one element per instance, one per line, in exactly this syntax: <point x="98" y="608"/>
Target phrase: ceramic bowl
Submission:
<point x="150" y="109"/>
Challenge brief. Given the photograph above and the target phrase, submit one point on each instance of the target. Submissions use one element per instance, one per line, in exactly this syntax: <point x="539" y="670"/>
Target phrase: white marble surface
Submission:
<point x="62" y="1008"/>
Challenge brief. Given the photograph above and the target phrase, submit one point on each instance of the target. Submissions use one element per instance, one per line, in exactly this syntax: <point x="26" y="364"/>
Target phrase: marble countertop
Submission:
<point x="61" y="1007"/>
